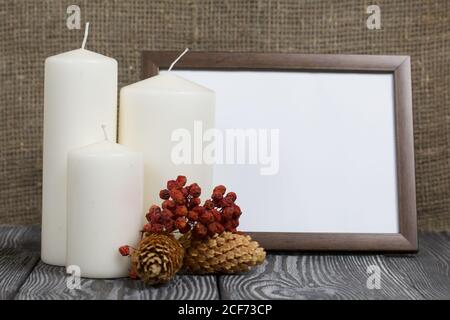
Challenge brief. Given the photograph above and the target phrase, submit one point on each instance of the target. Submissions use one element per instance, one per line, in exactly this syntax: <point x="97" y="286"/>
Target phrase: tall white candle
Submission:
<point x="150" y="111"/>
<point x="80" y="93"/>
<point x="104" y="207"/>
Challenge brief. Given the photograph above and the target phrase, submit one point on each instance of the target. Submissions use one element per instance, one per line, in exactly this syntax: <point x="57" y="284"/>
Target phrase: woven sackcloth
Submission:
<point x="31" y="30"/>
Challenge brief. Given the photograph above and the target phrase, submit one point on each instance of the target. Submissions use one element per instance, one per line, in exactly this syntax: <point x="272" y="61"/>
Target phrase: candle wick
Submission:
<point x="104" y="132"/>
<point x="179" y="57"/>
<point x="86" y="31"/>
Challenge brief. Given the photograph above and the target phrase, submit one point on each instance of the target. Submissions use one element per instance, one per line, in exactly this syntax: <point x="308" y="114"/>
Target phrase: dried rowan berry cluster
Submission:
<point x="181" y="210"/>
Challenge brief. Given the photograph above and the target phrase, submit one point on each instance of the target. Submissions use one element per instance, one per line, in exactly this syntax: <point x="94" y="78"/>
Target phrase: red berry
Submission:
<point x="236" y="211"/>
<point x="155" y="218"/>
<point x="166" y="215"/>
<point x="206" y="218"/>
<point x="220" y="189"/>
<point x="124" y="250"/>
<point x="226" y="202"/>
<point x="193" y="216"/>
<point x="209" y="205"/>
<point x="185" y="192"/>
<point x="232" y="196"/>
<point x="180" y="223"/>
<point x="195" y="190"/>
<point x="228" y="213"/>
<point x="217" y="196"/>
<point x="157" y="227"/>
<point x="172" y="184"/>
<point x="181" y="211"/>
<point x="169" y="226"/>
<point x="220" y="228"/>
<point x="181" y="180"/>
<point x="177" y="196"/>
<point x="199" y="209"/>
<point x="229" y="226"/>
<point x="168" y="204"/>
<point x="147" y="227"/>
<point x="154" y="209"/>
<point x="185" y="229"/>
<point x="153" y="213"/>
<point x="215" y="228"/>
<point x="199" y="231"/>
<point x="164" y="194"/>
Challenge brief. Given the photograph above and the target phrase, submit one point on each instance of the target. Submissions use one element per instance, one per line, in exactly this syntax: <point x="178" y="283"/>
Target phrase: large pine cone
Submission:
<point x="158" y="258"/>
<point x="223" y="253"/>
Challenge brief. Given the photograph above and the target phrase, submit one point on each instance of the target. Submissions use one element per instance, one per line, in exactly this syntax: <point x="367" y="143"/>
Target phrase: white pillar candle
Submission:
<point x="104" y="207"/>
<point x="80" y="93"/>
<point x="150" y="111"/>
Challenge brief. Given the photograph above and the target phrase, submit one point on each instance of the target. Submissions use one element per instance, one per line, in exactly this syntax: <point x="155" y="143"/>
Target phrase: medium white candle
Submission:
<point x="150" y="111"/>
<point x="104" y="207"/>
<point x="80" y="92"/>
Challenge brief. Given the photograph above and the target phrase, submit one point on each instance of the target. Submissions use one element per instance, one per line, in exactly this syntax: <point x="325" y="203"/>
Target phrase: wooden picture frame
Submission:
<point x="403" y="241"/>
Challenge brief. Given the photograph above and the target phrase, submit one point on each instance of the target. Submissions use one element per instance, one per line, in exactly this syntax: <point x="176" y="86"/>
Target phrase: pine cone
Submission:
<point x="158" y="258"/>
<point x="223" y="253"/>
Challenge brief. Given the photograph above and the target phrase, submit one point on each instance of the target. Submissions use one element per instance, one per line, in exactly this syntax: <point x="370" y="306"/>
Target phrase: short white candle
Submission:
<point x="104" y="207"/>
<point x="80" y="92"/>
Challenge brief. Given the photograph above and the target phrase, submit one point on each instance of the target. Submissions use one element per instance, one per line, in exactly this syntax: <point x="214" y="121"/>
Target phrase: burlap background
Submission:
<point x="32" y="30"/>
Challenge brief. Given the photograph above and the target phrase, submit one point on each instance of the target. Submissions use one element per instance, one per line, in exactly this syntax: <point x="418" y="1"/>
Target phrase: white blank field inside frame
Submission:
<point x="336" y="158"/>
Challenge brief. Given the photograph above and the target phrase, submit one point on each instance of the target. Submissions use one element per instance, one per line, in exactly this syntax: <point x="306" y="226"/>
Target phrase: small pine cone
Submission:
<point x="158" y="258"/>
<point x="223" y="253"/>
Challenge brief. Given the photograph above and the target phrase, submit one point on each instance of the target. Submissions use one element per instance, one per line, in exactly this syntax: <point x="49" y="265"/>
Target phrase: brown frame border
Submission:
<point x="400" y="66"/>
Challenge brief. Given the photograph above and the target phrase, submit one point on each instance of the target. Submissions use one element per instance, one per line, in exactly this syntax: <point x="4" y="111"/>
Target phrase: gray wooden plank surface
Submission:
<point x="23" y="276"/>
<point x="429" y="271"/>
<point x="49" y="282"/>
<point x="20" y="237"/>
<point x="307" y="276"/>
<point x="283" y="275"/>
<point x="19" y="253"/>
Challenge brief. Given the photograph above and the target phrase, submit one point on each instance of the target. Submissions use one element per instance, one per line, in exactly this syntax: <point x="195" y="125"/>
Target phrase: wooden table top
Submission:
<point x="284" y="275"/>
